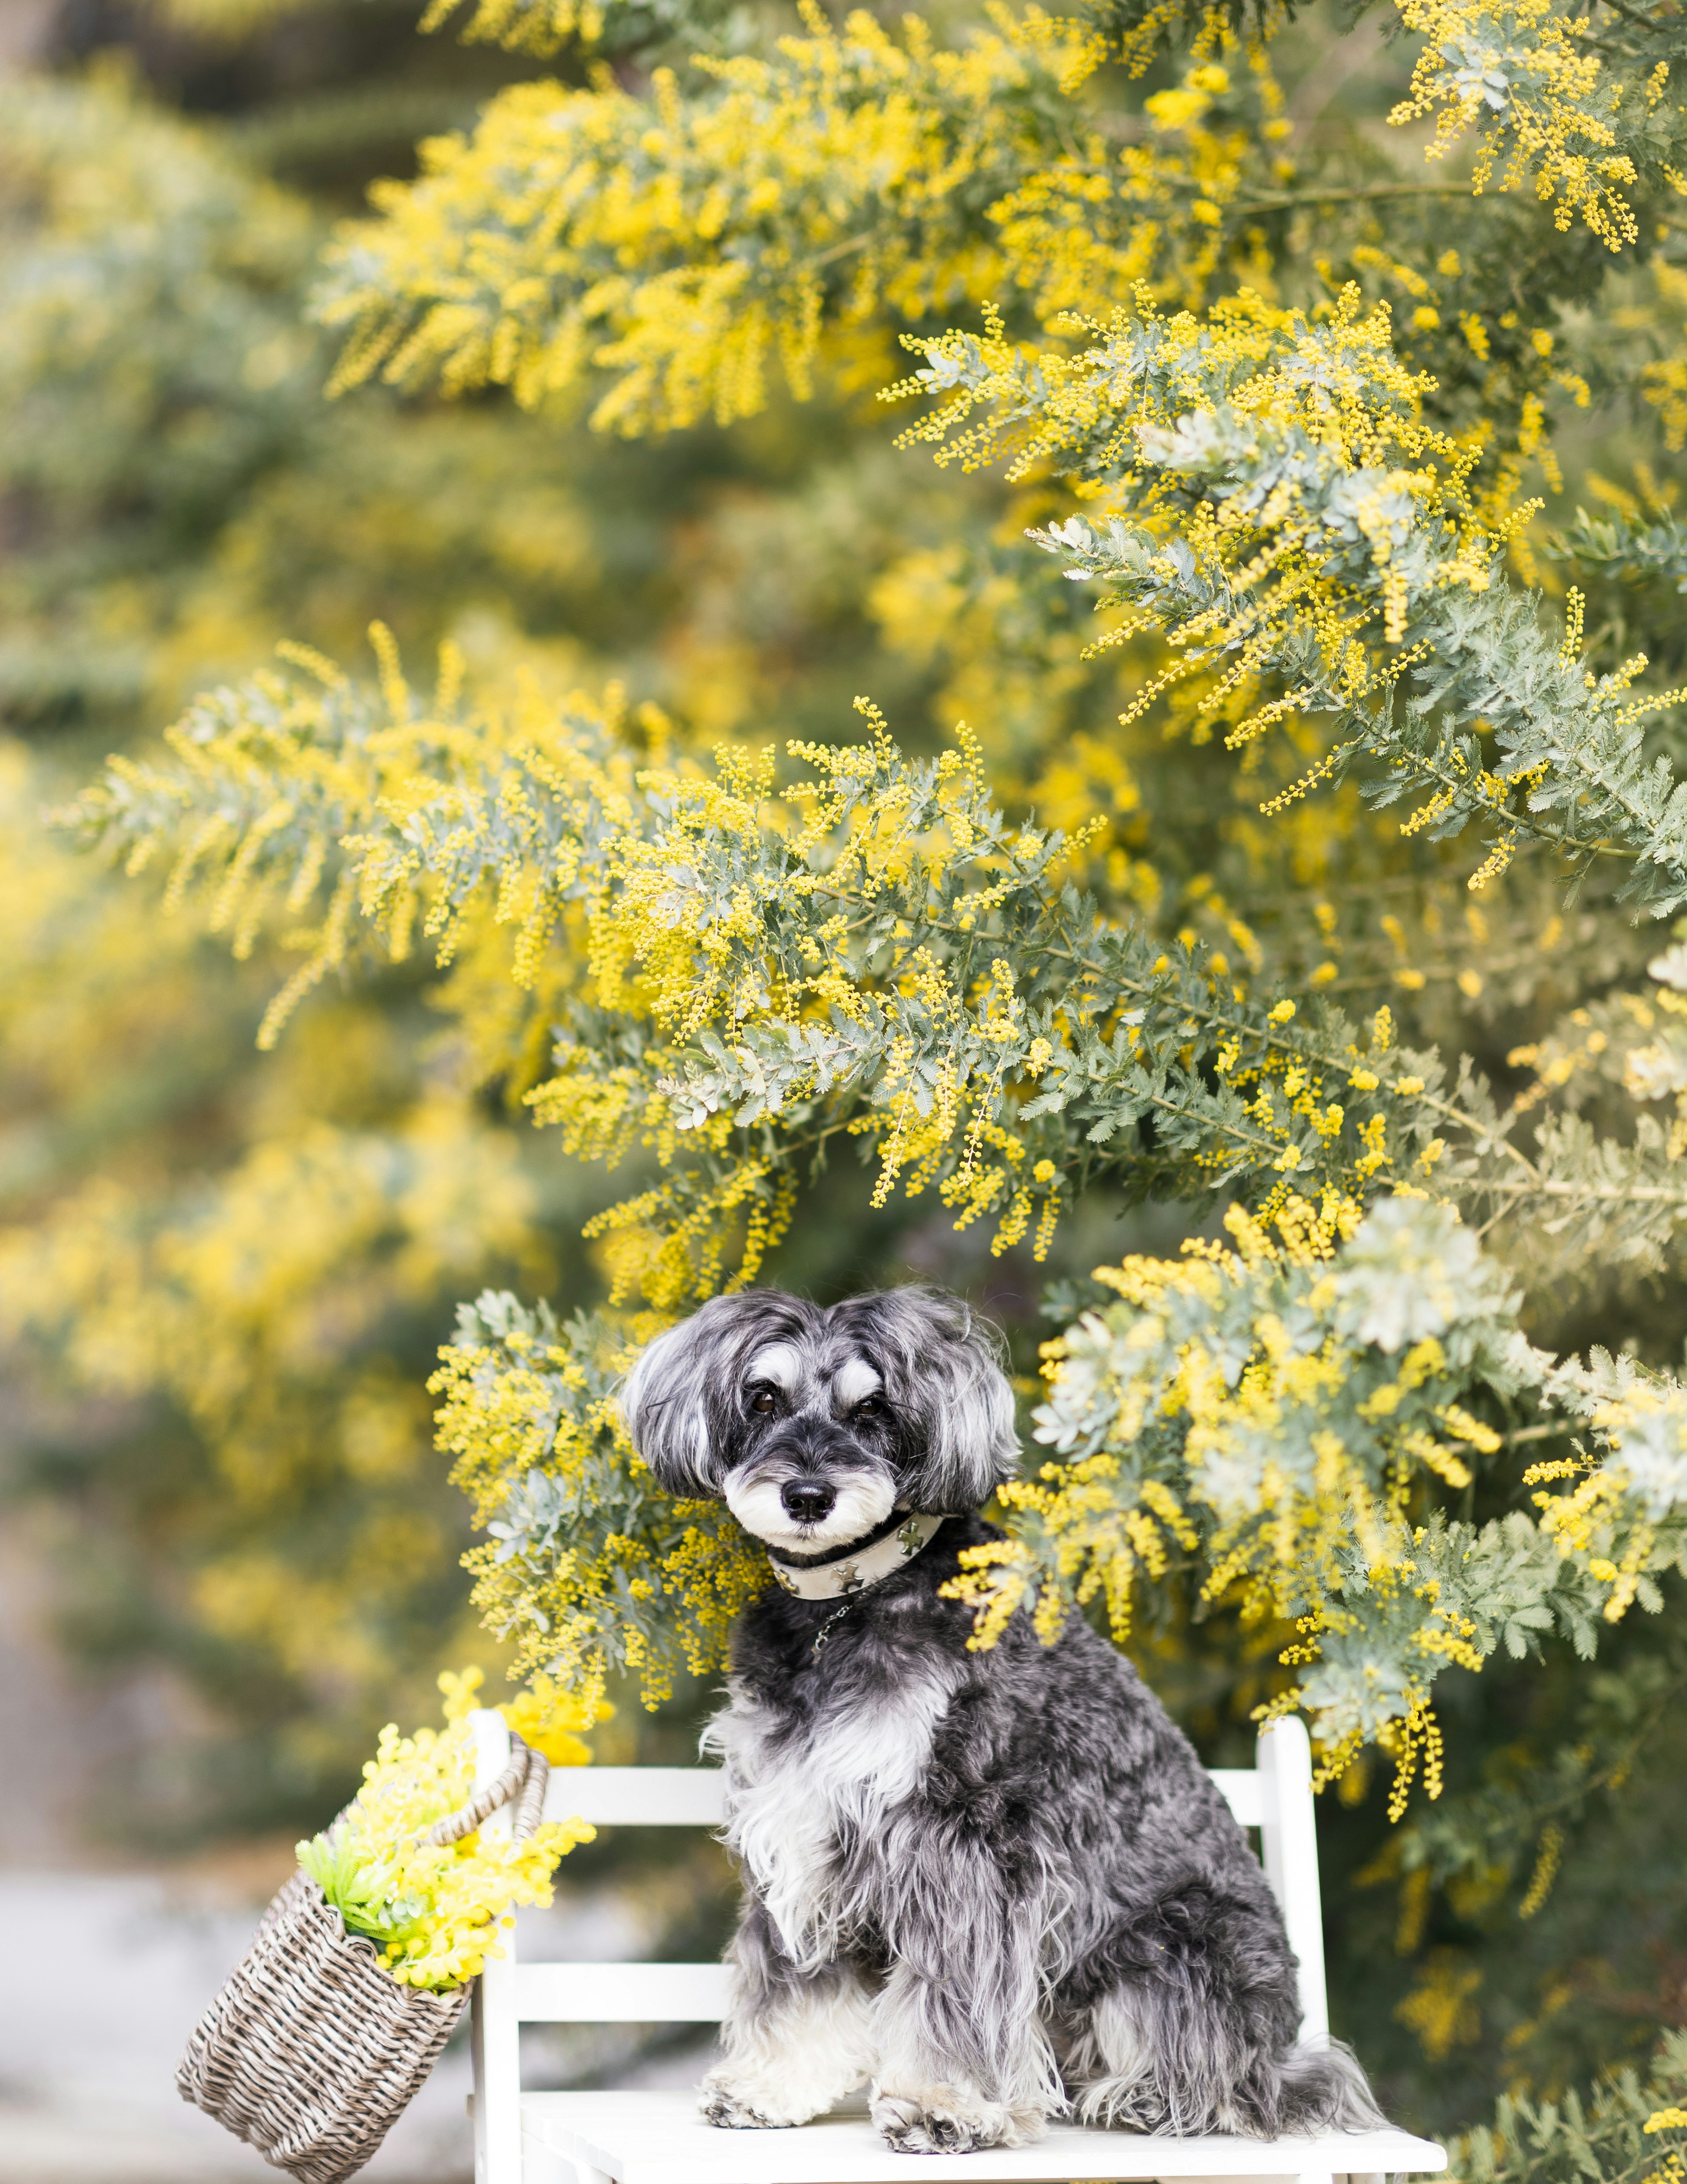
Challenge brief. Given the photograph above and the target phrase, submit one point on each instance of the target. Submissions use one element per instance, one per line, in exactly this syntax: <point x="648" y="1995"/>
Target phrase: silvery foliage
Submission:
<point x="571" y="1507"/>
<point x="1473" y="655"/>
<point x="1167" y="1017"/>
<point x="1479" y="656"/>
<point x="1093" y="1088"/>
<point x="1411" y="1274"/>
<point x="1654" y="1455"/>
<point x="1617" y="548"/>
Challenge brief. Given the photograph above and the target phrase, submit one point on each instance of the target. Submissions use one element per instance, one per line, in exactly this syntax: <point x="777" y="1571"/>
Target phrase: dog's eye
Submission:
<point x="870" y="1407"/>
<point x="764" y="1401"/>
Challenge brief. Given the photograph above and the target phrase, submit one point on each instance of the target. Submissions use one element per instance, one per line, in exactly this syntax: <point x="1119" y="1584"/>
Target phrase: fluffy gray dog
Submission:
<point x="998" y="1886"/>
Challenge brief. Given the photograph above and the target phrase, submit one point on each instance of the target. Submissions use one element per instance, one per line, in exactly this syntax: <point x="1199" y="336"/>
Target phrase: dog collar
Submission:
<point x="860" y="1570"/>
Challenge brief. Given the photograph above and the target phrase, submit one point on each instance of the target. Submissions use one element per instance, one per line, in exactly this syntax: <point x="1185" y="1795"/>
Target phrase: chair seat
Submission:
<point x="659" y="2138"/>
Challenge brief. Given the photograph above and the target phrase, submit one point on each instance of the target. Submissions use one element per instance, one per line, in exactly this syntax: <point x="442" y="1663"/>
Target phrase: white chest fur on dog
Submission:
<point x="792" y="1804"/>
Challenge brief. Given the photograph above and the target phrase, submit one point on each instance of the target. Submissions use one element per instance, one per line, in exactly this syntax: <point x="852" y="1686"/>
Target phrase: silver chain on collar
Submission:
<point x="825" y="1630"/>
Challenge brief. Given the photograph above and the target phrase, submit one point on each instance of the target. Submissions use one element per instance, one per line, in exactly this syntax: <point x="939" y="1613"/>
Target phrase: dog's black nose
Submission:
<point x="807" y="1499"/>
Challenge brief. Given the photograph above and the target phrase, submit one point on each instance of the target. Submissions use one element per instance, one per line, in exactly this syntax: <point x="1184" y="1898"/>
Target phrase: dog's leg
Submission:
<point x="936" y="2092"/>
<point x="1112" y="2065"/>
<point x="796" y="2041"/>
<point x="1181" y="2054"/>
<point x="964" y="2060"/>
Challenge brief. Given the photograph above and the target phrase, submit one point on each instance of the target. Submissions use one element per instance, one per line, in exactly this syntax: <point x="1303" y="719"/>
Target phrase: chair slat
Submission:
<point x="695" y="1797"/>
<point x="1288" y="1848"/>
<point x="1239" y="1787"/>
<point x="621" y="1994"/>
<point x="638" y="1796"/>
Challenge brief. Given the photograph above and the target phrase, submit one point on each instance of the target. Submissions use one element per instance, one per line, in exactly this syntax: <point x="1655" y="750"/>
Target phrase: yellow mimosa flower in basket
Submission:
<point x="363" y="1963"/>
<point x="433" y="1908"/>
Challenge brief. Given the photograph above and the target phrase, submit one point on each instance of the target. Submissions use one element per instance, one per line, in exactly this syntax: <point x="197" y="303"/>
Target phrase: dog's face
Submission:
<point x="813" y="1461"/>
<point x="813" y="1426"/>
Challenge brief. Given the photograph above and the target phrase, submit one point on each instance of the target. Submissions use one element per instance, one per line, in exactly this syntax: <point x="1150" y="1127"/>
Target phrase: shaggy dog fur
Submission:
<point x="999" y="1887"/>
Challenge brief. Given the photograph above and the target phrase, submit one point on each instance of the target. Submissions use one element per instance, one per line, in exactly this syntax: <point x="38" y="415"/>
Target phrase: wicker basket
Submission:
<point x="313" y="2051"/>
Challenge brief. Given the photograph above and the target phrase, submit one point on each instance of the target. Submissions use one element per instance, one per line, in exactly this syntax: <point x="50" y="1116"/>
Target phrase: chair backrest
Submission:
<point x="1276" y="1798"/>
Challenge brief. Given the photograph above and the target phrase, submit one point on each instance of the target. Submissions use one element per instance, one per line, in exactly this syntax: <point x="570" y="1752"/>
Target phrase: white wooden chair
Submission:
<point x="658" y="2139"/>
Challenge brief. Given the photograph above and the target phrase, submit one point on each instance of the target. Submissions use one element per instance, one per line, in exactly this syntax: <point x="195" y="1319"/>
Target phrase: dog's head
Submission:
<point x="814" y="1425"/>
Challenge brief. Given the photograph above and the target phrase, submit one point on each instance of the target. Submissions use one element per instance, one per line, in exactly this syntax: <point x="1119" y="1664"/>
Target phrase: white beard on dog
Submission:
<point x="861" y="1503"/>
<point x="789" y="1805"/>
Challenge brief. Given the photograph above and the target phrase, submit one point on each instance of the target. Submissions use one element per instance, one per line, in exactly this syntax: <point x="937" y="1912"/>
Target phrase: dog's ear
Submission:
<point x="681" y="1399"/>
<point x="942" y="1369"/>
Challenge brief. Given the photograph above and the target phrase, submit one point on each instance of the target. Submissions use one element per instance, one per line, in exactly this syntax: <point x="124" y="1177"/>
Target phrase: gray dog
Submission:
<point x="999" y="1885"/>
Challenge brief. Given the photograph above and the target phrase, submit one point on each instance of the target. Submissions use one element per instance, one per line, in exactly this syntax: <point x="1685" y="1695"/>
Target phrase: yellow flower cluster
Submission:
<point x="590" y="1568"/>
<point x="732" y="924"/>
<point x="1277" y="1416"/>
<point x="1525" y="73"/>
<point x="1286" y="517"/>
<point x="744" y="971"/>
<point x="1613" y="1515"/>
<point x="730" y="928"/>
<point x="1331" y="373"/>
<point x="1295" y="1435"/>
<point x="435" y="1910"/>
<point x="532" y="26"/>
<point x="550" y="1718"/>
<point x="1266" y="575"/>
<point x="680" y="246"/>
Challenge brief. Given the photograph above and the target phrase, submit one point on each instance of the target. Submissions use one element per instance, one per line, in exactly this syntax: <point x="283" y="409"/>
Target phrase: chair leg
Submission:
<point x="496" y="2030"/>
<point x="477" y="2099"/>
<point x="498" y="2077"/>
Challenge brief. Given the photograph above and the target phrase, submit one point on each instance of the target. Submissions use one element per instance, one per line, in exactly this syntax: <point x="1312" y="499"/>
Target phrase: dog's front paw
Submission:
<point x="744" y="2104"/>
<point x="731" y="2111"/>
<point x="938" y="2119"/>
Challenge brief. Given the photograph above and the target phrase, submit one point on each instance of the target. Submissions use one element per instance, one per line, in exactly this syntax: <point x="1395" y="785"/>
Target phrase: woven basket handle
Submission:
<point x="521" y="1784"/>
